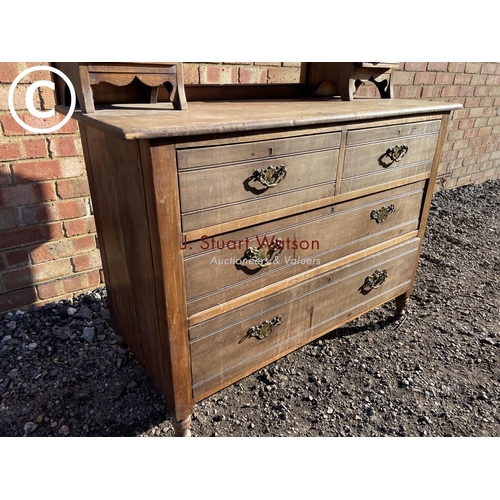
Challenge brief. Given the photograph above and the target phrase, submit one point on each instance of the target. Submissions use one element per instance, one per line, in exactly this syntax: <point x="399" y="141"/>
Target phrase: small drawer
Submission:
<point x="222" y="268"/>
<point x="211" y="196"/>
<point x="218" y="155"/>
<point x="233" y="345"/>
<point x="395" y="158"/>
<point x="392" y="132"/>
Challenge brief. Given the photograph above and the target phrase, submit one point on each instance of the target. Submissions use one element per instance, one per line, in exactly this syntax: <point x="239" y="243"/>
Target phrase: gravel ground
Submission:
<point x="434" y="373"/>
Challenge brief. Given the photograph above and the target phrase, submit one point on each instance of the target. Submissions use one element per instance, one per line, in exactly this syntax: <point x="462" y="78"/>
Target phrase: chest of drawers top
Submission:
<point x="220" y="117"/>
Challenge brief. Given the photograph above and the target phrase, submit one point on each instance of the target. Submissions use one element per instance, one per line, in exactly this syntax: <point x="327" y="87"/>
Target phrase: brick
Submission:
<point x="485" y="131"/>
<point x="474" y="102"/>
<point x="489" y="68"/>
<point x="191" y="73"/>
<point x="415" y="66"/>
<point x="253" y="75"/>
<point x="404" y="77"/>
<point x="437" y="66"/>
<point x="493" y="80"/>
<point x="456" y="67"/>
<point x="283" y="75"/>
<point x="455" y="135"/>
<point x="9" y="71"/>
<point x="42" y="170"/>
<point x="31" y="235"/>
<point x="488" y="101"/>
<point x="481" y="91"/>
<point x="462" y="79"/>
<point x="15" y="300"/>
<point x="20" y="278"/>
<point x="12" y="128"/>
<point x="79" y="226"/>
<point x="5" y="175"/>
<point x="10" y="151"/>
<point x="70" y="284"/>
<point x="472" y="67"/>
<point x="87" y="261"/>
<point x="444" y="78"/>
<point x="18" y="258"/>
<point x="27" y="194"/>
<point x="494" y="90"/>
<point x="425" y="78"/>
<point x="62" y="248"/>
<point x="218" y="74"/>
<point x="478" y="80"/>
<point x="480" y="122"/>
<point x="430" y="91"/>
<point x="409" y="92"/>
<point x="65" y="146"/>
<point x="8" y="219"/>
<point x="63" y="210"/>
<point x="35" y="148"/>
<point x="73" y="188"/>
<point x="467" y="123"/>
<point x="450" y="91"/>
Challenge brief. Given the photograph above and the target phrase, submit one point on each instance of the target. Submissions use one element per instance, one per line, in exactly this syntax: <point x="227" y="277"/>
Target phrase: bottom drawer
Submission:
<point x="231" y="346"/>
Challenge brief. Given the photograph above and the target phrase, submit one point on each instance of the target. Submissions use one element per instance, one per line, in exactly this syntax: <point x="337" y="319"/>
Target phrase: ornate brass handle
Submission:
<point x="264" y="329"/>
<point x="382" y="213"/>
<point x="375" y="280"/>
<point x="265" y="255"/>
<point x="270" y="176"/>
<point x="397" y="152"/>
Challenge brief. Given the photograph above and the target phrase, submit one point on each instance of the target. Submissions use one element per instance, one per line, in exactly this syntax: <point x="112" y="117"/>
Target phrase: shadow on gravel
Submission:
<point x="59" y="375"/>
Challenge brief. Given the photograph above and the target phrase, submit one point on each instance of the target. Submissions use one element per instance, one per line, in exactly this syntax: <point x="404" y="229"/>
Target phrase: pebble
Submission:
<point x="29" y="427"/>
<point x="88" y="334"/>
<point x="71" y="311"/>
<point x="32" y="345"/>
<point x="64" y="430"/>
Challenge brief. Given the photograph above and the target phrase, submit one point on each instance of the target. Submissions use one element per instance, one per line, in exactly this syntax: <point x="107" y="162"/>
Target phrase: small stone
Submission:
<point x="71" y="311"/>
<point x="32" y="345"/>
<point x="85" y="313"/>
<point x="132" y="386"/>
<point x="64" y="430"/>
<point x="88" y="334"/>
<point x="329" y="410"/>
<point x="29" y="427"/>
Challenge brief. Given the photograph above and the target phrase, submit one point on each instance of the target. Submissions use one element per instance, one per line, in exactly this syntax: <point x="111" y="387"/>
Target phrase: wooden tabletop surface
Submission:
<point x="148" y="121"/>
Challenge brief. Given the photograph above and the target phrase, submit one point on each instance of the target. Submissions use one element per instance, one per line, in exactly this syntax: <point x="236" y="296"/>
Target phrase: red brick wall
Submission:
<point x="47" y="234"/>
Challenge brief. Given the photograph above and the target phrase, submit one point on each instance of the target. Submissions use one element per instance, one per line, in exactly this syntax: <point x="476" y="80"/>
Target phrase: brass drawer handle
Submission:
<point x="264" y="329"/>
<point x="265" y="255"/>
<point x="270" y="176"/>
<point x="375" y="280"/>
<point x="382" y="213"/>
<point x="397" y="152"/>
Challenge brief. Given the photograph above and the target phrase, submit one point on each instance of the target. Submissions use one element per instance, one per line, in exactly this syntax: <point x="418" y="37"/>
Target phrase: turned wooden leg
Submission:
<point x="401" y="301"/>
<point x="123" y="350"/>
<point x="182" y="427"/>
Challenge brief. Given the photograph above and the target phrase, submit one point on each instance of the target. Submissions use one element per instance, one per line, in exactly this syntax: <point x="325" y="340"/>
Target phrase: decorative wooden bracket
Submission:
<point x="86" y="77"/>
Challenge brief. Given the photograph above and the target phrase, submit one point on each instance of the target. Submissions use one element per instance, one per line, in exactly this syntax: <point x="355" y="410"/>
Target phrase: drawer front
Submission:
<point x="392" y="132"/>
<point x="389" y="160"/>
<point x="221" y="268"/>
<point x="211" y="196"/>
<point x="232" y="345"/>
<point x="218" y="155"/>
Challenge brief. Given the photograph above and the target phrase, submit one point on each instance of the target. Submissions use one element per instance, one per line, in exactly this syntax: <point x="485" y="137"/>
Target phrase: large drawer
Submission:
<point x="216" y="194"/>
<point x="228" y="347"/>
<point x="379" y="155"/>
<point x="221" y="268"/>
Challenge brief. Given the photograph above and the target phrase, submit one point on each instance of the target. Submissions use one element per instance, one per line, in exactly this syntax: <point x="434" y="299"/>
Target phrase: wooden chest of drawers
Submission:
<point x="235" y="232"/>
